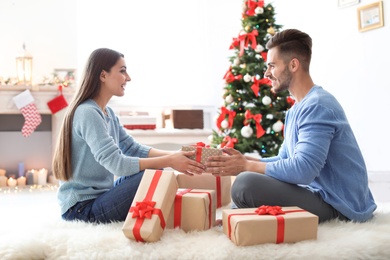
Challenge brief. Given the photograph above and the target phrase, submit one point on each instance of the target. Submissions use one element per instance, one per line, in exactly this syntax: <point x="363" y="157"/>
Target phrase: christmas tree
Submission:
<point x="252" y="117"/>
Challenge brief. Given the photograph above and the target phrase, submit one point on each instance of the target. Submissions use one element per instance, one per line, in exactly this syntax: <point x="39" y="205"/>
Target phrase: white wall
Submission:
<point x="47" y="27"/>
<point x="177" y="52"/>
<point x="350" y="64"/>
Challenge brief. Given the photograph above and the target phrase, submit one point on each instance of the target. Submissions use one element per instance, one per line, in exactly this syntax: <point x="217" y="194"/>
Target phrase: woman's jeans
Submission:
<point x="111" y="206"/>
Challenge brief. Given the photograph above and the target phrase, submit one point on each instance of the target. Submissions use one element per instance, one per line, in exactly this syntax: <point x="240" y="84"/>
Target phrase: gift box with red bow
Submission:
<point x="151" y="206"/>
<point x="221" y="184"/>
<point x="193" y="209"/>
<point x="203" y="151"/>
<point x="269" y="224"/>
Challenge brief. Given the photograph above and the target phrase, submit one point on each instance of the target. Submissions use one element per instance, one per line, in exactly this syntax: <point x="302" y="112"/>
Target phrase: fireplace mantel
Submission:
<point x="41" y="95"/>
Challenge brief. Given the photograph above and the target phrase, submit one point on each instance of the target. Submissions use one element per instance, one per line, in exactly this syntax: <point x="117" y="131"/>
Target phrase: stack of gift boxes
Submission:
<point x="166" y="199"/>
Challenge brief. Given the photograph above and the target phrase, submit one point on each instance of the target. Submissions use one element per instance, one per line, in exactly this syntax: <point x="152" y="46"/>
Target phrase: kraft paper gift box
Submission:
<point x="245" y="227"/>
<point x="202" y="151"/>
<point x="193" y="209"/>
<point x="221" y="184"/>
<point x="151" y="206"/>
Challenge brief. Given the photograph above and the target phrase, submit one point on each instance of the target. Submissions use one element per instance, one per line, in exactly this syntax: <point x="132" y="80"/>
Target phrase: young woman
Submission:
<point x="93" y="147"/>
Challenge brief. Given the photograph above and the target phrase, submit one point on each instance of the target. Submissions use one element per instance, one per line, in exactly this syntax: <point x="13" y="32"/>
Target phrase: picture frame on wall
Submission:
<point x="345" y="3"/>
<point x="370" y="16"/>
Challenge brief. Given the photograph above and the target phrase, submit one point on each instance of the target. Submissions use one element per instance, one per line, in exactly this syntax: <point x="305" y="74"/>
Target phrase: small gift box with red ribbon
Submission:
<point x="269" y="224"/>
<point x="221" y="184"/>
<point x="151" y="206"/>
<point x="203" y="151"/>
<point x="193" y="210"/>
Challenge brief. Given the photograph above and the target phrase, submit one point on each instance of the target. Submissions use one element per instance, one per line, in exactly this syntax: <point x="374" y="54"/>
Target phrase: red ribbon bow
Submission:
<point x="246" y="38"/>
<point x="228" y="142"/>
<point x="230" y="113"/>
<point x="143" y="209"/>
<point x="256" y="84"/>
<point x="229" y="77"/>
<point x="252" y="5"/>
<point x="257" y="118"/>
<point x="235" y="43"/>
<point x="269" y="210"/>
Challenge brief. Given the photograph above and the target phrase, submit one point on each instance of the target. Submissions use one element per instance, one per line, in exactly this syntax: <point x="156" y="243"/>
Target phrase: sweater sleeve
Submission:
<point x="90" y="125"/>
<point x="314" y="130"/>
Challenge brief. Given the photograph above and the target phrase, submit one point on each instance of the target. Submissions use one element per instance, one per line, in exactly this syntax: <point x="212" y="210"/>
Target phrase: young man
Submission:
<point x="319" y="167"/>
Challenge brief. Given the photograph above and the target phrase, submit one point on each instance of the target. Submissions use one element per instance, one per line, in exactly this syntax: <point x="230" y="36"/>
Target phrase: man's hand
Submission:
<point x="229" y="164"/>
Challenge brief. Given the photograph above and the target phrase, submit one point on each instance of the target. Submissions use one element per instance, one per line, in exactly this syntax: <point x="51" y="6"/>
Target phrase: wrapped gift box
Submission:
<point x="221" y="184"/>
<point x="193" y="209"/>
<point x="202" y="152"/>
<point x="151" y="206"/>
<point x="246" y="227"/>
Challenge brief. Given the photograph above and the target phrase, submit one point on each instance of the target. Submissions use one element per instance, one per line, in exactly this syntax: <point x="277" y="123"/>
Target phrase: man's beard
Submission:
<point x="284" y="80"/>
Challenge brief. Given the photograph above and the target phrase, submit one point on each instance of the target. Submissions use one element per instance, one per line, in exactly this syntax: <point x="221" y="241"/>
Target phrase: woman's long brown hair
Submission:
<point x="99" y="60"/>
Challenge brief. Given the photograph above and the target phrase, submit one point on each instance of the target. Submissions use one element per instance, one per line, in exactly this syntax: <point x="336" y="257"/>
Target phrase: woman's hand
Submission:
<point x="229" y="164"/>
<point x="180" y="162"/>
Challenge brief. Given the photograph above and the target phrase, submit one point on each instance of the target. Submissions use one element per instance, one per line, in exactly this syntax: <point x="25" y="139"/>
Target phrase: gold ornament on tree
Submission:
<point x="271" y="30"/>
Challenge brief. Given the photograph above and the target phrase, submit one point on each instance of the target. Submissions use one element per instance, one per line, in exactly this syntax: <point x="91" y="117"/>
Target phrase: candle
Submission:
<point x="30" y="178"/>
<point x="11" y="182"/>
<point x="42" y="177"/>
<point x="22" y="181"/>
<point x="3" y="181"/>
<point x="21" y="169"/>
<point x="2" y="172"/>
<point x="35" y="175"/>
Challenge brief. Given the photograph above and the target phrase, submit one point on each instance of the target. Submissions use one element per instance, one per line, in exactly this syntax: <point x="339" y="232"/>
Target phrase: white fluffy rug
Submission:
<point x="31" y="229"/>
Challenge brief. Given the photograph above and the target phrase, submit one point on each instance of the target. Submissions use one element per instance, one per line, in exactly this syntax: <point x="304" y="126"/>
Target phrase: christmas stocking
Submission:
<point x="25" y="103"/>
